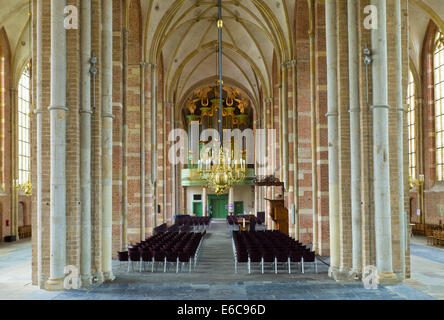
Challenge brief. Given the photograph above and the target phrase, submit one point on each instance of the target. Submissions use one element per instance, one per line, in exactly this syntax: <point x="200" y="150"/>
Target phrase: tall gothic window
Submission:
<point x="24" y="127"/>
<point x="411" y="118"/>
<point x="439" y="104"/>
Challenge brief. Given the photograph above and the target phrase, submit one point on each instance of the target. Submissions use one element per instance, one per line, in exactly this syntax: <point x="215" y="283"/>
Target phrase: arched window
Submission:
<point x="439" y="104"/>
<point x="411" y="119"/>
<point x="24" y="127"/>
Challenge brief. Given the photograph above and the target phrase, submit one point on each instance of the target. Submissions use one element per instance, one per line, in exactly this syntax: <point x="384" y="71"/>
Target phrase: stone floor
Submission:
<point x="214" y="278"/>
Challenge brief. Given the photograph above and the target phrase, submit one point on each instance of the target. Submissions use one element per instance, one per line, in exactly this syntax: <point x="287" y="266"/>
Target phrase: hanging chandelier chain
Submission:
<point x="220" y="170"/>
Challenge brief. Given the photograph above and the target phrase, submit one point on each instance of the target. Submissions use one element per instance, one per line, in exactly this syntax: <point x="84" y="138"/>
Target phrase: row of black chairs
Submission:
<point x="168" y="248"/>
<point x="196" y="222"/>
<point x="272" y="247"/>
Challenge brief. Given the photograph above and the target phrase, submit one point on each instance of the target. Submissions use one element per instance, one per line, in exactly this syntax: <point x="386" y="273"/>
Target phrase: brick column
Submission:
<point x="58" y="115"/>
<point x="85" y="143"/>
<point x="333" y="149"/>
<point x="400" y="138"/>
<point x="39" y="128"/>
<point x="107" y="138"/>
<point x="355" y="135"/>
<point x="381" y="149"/>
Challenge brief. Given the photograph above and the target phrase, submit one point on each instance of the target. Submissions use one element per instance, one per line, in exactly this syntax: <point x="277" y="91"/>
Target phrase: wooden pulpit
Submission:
<point x="279" y="214"/>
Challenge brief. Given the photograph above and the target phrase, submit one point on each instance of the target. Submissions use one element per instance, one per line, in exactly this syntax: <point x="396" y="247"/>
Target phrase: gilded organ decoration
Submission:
<point x="204" y="105"/>
<point x="242" y="104"/>
<point x="191" y="105"/>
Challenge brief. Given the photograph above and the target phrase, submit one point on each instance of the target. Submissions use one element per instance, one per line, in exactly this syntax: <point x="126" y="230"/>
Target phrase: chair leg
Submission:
<point x="262" y="265"/>
<point x="177" y="265"/>
<point x="249" y="266"/>
<point x="303" y="271"/>
<point x="275" y="265"/>
<point x="164" y="265"/>
<point x="152" y="265"/>
<point x="129" y="265"/>
<point x="189" y="265"/>
<point x="316" y="265"/>
<point x="140" y="265"/>
<point x="289" y="267"/>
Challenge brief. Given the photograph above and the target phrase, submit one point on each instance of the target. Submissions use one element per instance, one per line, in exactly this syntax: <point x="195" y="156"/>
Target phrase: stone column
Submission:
<point x="231" y="201"/>
<point x="383" y="234"/>
<point x="58" y="115"/>
<point x="205" y="201"/>
<point x="85" y="143"/>
<point x="142" y="152"/>
<point x="400" y="138"/>
<point x="355" y="134"/>
<point x="39" y="126"/>
<point x="184" y="200"/>
<point x="107" y="138"/>
<point x="271" y="156"/>
<point x="332" y="115"/>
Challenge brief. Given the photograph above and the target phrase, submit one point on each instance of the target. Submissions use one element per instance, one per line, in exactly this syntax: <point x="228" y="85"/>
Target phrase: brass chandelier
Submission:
<point x="217" y="166"/>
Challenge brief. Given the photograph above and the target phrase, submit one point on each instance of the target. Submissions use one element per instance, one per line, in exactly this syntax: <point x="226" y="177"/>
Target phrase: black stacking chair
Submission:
<point x="254" y="256"/>
<point x="185" y="257"/>
<point x="159" y="257"/>
<point x="267" y="257"/>
<point x="309" y="256"/>
<point x="281" y="256"/>
<point x="170" y="257"/>
<point x="122" y="257"/>
<point x="146" y="257"/>
<point x="134" y="256"/>
<point x="295" y="257"/>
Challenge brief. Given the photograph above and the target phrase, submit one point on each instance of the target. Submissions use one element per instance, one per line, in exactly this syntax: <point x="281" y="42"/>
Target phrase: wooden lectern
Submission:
<point x="279" y="214"/>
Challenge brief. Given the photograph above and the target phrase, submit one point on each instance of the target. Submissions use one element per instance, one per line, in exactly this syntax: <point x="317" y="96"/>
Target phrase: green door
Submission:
<point x="218" y="205"/>
<point x="238" y="208"/>
<point x="197" y="208"/>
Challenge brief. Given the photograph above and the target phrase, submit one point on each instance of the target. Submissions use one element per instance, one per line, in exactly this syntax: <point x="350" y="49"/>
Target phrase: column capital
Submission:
<point x="107" y="115"/>
<point x="38" y="110"/>
<point x="331" y="114"/>
<point x="85" y="111"/>
<point x="63" y="108"/>
<point x="380" y="107"/>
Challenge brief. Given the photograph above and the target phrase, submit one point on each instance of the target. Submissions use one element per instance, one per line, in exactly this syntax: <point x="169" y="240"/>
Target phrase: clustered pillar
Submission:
<point x="58" y="115"/>
<point x="333" y="138"/>
<point x="85" y="143"/>
<point x="355" y="135"/>
<point x="107" y="138"/>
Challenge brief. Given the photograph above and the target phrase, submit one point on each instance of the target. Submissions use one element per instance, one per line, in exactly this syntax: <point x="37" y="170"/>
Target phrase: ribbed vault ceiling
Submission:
<point x="184" y="32"/>
<point x="14" y="18"/>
